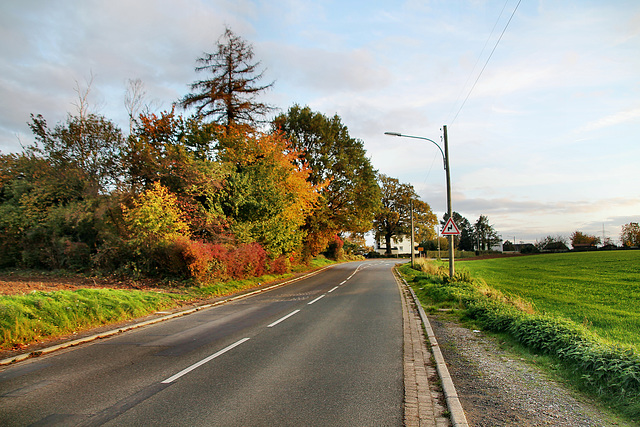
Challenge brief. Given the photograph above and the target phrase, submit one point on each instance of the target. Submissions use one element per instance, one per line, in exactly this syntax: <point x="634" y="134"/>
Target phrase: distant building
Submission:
<point x="555" y="247"/>
<point x="524" y="248"/>
<point x="400" y="245"/>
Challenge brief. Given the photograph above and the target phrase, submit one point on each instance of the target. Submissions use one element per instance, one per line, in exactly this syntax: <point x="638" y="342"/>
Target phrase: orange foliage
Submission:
<point x="244" y="148"/>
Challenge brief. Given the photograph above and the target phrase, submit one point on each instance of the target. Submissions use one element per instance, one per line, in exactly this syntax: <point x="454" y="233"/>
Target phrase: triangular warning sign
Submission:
<point x="450" y="228"/>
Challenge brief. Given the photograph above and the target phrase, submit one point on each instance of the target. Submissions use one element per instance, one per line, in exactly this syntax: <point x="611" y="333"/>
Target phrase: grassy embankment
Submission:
<point x="598" y="289"/>
<point x="580" y="309"/>
<point x="25" y="319"/>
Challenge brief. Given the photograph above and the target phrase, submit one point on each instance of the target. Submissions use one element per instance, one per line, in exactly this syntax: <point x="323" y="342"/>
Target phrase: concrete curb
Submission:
<point x="458" y="418"/>
<point x="36" y="353"/>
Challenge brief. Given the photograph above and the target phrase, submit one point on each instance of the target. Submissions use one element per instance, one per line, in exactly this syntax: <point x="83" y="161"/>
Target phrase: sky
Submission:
<point x="541" y="99"/>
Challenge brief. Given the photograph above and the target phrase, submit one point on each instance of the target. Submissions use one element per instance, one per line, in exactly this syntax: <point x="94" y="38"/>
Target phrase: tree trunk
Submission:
<point x="387" y="239"/>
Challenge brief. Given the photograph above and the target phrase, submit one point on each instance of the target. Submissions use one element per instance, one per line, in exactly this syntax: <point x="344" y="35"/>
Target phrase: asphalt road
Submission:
<point x="325" y="351"/>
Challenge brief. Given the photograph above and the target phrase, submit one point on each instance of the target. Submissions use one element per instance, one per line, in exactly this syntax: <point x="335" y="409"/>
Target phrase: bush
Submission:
<point x="334" y="248"/>
<point x="280" y="265"/>
<point x="247" y="260"/>
<point x="77" y="255"/>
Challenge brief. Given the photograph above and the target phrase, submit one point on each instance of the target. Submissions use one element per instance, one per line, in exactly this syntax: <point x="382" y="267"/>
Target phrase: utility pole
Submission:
<point x="449" y="210"/>
<point x="438" y="237"/>
<point x="445" y="159"/>
<point x="412" y="235"/>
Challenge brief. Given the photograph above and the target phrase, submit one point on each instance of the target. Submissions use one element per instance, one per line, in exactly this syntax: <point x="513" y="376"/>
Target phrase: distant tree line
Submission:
<point x="479" y="236"/>
<point x="212" y="194"/>
<point x="629" y="237"/>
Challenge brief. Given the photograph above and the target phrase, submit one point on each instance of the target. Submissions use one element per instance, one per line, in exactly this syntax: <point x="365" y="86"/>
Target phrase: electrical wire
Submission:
<point x="463" y="87"/>
<point x="487" y="62"/>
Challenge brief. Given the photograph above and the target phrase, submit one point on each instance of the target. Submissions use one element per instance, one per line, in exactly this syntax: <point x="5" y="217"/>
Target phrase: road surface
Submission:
<point x="326" y="350"/>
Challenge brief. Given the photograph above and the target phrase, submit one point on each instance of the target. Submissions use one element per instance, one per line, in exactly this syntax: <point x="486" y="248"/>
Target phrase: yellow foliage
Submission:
<point x="155" y="216"/>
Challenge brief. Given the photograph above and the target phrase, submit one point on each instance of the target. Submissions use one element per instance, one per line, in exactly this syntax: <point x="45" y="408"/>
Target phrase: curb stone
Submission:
<point x="457" y="416"/>
<point x="106" y="334"/>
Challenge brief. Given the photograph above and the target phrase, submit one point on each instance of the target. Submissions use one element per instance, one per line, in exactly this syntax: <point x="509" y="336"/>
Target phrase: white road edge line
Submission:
<point x="319" y="298"/>
<point x="282" y="319"/>
<point x="333" y="289"/>
<point x="203" y="361"/>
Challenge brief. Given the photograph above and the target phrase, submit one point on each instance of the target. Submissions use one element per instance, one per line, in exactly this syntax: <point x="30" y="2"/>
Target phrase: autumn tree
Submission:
<point x="268" y="196"/>
<point x="630" y="235"/>
<point x="53" y="194"/>
<point x="394" y="216"/>
<point x="175" y="152"/>
<point x="155" y="217"/>
<point x="580" y="239"/>
<point x="85" y="150"/>
<point x="339" y="167"/>
<point x="228" y="95"/>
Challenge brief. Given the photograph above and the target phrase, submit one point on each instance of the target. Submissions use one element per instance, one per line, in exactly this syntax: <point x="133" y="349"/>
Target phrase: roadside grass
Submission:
<point x="600" y="290"/>
<point x="39" y="315"/>
<point x="609" y="371"/>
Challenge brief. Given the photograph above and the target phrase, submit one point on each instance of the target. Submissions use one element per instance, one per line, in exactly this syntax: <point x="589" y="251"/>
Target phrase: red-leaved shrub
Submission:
<point x="206" y="261"/>
<point x="197" y="256"/>
<point x="247" y="260"/>
<point x="280" y="265"/>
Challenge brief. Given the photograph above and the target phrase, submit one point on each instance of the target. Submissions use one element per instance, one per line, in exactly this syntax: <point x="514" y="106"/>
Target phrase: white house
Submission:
<point x="400" y="245"/>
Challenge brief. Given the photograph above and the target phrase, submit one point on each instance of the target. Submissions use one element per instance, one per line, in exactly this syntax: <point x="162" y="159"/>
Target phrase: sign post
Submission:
<point x="450" y="230"/>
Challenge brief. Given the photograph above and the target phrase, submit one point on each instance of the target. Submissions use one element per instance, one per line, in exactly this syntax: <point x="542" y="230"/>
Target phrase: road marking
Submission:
<point x="320" y="297"/>
<point x="203" y="361"/>
<point x="282" y="319"/>
<point x="343" y="282"/>
<point x="333" y="289"/>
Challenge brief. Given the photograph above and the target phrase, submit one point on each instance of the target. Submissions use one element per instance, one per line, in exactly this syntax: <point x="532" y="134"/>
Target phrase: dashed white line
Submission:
<point x="319" y="298"/>
<point x="282" y="319"/>
<point x="203" y="361"/>
<point x="237" y="343"/>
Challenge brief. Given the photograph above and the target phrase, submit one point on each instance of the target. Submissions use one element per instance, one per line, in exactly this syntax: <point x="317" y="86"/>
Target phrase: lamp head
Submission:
<point x="393" y="133"/>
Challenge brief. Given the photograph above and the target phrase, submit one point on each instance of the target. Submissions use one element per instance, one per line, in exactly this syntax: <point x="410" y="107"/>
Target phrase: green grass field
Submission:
<point x="598" y="289"/>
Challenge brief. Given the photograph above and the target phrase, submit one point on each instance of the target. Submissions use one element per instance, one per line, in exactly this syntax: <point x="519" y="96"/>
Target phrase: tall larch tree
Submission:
<point x="228" y="95"/>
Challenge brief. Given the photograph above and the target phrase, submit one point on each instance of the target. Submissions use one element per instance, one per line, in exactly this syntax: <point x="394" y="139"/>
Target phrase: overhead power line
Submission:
<point x="473" y="70"/>
<point x="487" y="62"/>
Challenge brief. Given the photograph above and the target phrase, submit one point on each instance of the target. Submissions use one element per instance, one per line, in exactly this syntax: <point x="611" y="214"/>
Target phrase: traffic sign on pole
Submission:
<point x="450" y="228"/>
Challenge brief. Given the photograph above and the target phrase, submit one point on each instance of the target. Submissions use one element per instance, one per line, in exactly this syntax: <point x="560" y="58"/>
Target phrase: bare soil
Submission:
<point x="24" y="283"/>
<point x="497" y="388"/>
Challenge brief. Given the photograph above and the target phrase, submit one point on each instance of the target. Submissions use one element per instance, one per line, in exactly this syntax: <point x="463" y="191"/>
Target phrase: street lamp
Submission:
<point x="445" y="160"/>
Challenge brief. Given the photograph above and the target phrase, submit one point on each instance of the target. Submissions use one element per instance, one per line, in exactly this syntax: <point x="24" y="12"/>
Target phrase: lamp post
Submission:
<point x="445" y="160"/>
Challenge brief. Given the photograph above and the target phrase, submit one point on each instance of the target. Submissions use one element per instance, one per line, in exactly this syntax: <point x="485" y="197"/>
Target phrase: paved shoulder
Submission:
<point x="425" y="403"/>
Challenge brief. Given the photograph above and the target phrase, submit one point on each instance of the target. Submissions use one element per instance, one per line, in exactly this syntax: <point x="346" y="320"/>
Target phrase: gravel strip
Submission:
<point x="499" y="389"/>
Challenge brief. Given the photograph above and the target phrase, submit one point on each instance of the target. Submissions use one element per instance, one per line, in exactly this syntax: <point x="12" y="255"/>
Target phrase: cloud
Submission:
<point x="328" y="71"/>
<point x="534" y="219"/>
<point x="612" y="120"/>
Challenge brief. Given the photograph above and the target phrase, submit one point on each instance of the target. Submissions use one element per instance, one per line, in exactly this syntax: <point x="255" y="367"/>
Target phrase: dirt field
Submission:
<point x="22" y="283"/>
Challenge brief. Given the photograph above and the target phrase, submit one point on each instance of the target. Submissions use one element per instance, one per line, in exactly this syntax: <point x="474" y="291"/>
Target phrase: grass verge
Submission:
<point x="611" y="372"/>
<point x="598" y="289"/>
<point x="25" y="319"/>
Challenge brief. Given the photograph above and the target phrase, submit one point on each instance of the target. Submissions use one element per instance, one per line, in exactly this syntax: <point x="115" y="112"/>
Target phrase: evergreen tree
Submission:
<point x="228" y="95"/>
<point x="465" y="240"/>
<point x="486" y="236"/>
